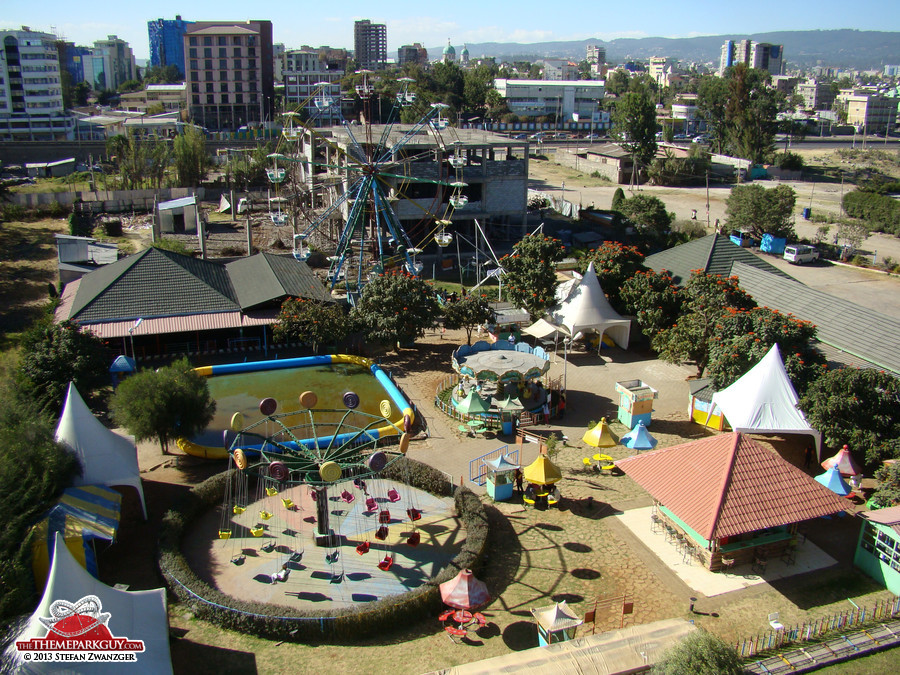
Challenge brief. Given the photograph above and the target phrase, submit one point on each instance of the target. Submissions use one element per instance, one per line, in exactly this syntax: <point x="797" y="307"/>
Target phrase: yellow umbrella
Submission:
<point x="600" y="436"/>
<point x="542" y="472"/>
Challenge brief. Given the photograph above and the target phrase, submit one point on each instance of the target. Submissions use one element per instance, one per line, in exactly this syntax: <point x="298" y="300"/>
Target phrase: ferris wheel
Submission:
<point x="355" y="174"/>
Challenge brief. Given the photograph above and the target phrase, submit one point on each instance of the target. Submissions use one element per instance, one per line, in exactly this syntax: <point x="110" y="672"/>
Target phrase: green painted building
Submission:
<point x="878" y="549"/>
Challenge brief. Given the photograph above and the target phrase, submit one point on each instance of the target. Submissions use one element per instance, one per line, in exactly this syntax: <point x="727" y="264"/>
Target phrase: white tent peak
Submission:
<point x="586" y="308"/>
<point x="137" y="615"/>
<point x="763" y="400"/>
<point x="106" y="457"/>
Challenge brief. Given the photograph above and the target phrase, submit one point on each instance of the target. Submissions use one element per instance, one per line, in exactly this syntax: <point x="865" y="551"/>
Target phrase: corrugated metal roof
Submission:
<point x="167" y="324"/>
<point x="889" y="517"/>
<point x="844" y="325"/>
<point x="177" y="203"/>
<point x="730" y="484"/>
<point x="266" y="277"/>
<point x="714" y="253"/>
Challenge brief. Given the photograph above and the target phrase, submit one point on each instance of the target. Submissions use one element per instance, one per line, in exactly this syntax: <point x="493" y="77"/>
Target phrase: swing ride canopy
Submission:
<point x="464" y="591"/>
<point x="542" y="472"/>
<point x="556" y="617"/>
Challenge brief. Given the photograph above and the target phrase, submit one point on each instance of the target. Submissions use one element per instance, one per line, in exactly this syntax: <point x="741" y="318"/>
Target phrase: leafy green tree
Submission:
<point x="168" y="403"/>
<point x="857" y="407"/>
<point x="754" y="209"/>
<point x="34" y="470"/>
<point x="751" y="113"/>
<point x="649" y="216"/>
<point x="54" y="355"/>
<point x="700" y="653"/>
<point x="743" y="337"/>
<point x="396" y="308"/>
<point x="130" y="85"/>
<point x="162" y="75"/>
<point x="468" y="313"/>
<point x="887" y="493"/>
<point x="634" y="125"/>
<point x="311" y="322"/>
<point x="653" y="298"/>
<point x="617" y="82"/>
<point x="712" y="101"/>
<point x="191" y="158"/>
<point x="705" y="298"/>
<point x="614" y="262"/>
<point x="618" y="199"/>
<point x="531" y="273"/>
<point x="80" y="93"/>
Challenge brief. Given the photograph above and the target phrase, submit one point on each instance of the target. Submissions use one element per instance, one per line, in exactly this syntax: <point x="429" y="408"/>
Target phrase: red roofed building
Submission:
<point x="730" y="497"/>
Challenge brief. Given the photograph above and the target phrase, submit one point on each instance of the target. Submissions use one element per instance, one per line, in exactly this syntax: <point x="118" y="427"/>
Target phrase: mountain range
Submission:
<point x="844" y="48"/>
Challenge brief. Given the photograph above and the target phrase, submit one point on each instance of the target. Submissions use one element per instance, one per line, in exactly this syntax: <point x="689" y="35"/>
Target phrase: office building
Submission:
<point x="414" y="53"/>
<point x="370" y="45"/>
<point x="559" y="69"/>
<point x="536" y="98"/>
<point x="278" y="52"/>
<point x="171" y="97"/>
<point x="596" y="54"/>
<point x="816" y="95"/>
<point x="31" y="100"/>
<point x="167" y="42"/>
<point x="71" y="60"/>
<point x="118" y="62"/>
<point x="230" y="74"/>
<point x="760" y="55"/>
<point x="868" y="111"/>
<point x="305" y="78"/>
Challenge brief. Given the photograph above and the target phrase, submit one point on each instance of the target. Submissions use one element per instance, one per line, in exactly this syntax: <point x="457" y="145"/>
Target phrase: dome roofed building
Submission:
<point x="449" y="53"/>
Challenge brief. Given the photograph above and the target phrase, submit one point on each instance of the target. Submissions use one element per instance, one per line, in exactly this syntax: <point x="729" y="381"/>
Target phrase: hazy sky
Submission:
<point x="432" y="23"/>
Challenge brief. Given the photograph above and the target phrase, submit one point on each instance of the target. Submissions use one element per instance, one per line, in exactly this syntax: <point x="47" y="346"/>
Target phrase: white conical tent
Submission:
<point x="106" y="458"/>
<point x="586" y="308"/>
<point x="763" y="401"/>
<point x="136" y="615"/>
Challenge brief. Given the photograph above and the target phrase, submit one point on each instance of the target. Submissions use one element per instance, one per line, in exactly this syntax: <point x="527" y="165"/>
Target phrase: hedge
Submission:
<point x="881" y="212"/>
<point x="335" y="625"/>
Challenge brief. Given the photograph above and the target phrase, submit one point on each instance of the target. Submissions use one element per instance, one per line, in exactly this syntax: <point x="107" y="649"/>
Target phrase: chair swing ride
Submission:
<point x="363" y="179"/>
<point x="295" y="469"/>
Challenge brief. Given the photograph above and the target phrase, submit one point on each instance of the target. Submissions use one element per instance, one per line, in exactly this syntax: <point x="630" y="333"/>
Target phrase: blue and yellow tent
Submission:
<point x="82" y="515"/>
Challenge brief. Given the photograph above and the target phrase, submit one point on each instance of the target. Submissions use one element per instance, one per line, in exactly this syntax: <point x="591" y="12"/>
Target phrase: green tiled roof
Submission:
<point x="265" y="277"/>
<point x="714" y="254"/>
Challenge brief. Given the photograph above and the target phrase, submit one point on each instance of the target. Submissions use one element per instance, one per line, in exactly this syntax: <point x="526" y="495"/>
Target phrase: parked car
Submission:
<point x="520" y="137"/>
<point x="702" y="138"/>
<point x="537" y="137"/>
<point x="800" y="254"/>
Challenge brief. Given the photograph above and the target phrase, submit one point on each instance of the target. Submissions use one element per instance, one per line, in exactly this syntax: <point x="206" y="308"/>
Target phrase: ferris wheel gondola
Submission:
<point x="292" y="129"/>
<point x="322" y="100"/>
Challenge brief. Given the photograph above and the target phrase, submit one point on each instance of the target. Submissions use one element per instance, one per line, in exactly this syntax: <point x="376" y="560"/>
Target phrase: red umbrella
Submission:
<point x="464" y="591"/>
<point x="844" y="462"/>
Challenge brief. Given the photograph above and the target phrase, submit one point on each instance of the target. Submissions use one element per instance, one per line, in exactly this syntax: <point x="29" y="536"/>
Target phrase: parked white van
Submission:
<point x="800" y="253"/>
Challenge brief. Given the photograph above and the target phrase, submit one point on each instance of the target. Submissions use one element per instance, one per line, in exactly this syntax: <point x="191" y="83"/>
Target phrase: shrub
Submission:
<point x="174" y="245"/>
<point x="336" y="625"/>
<point x="880" y="211"/>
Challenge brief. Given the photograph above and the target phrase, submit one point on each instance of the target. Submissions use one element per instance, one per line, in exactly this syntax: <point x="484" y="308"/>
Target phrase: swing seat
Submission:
<point x="384" y="517"/>
<point x="414" y="514"/>
<point x="271" y="492"/>
<point x="371" y="504"/>
<point x="414" y="539"/>
<point x="288" y="503"/>
<point x="268" y="548"/>
<point x="347" y="496"/>
<point x="332" y="558"/>
<point x="265" y="515"/>
<point x="257" y="531"/>
<point x="393" y="495"/>
<point x="224" y="534"/>
<point x="297" y="556"/>
<point x="363" y="548"/>
<point x="386" y="563"/>
<point x="337" y="578"/>
<point x="238" y="510"/>
<point x="238" y="559"/>
<point x="381" y="533"/>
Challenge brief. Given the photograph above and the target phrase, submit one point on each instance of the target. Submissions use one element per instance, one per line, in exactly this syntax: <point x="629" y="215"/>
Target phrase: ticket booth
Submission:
<point x="500" y="478"/>
<point x="556" y="623"/>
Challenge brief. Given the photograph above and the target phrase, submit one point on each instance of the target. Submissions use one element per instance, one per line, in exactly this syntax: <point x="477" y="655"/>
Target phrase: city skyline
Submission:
<point x="462" y="22"/>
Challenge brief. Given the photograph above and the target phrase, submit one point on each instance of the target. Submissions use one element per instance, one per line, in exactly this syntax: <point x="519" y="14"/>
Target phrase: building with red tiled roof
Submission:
<point x="730" y="497"/>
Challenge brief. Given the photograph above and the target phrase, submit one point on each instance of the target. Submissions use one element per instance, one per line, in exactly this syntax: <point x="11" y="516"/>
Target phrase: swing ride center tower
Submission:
<point x="495" y="173"/>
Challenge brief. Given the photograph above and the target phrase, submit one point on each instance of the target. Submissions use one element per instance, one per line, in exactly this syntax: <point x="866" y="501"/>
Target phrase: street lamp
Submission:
<point x="131" y="335"/>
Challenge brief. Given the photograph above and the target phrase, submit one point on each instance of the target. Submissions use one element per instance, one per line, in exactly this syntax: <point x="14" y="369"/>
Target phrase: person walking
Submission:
<point x="519" y="481"/>
<point x="807" y="456"/>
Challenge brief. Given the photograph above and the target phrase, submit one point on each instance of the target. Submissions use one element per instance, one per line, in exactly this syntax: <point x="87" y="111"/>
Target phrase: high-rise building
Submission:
<point x="71" y="61"/>
<point x="596" y="54"/>
<point x="370" y="45"/>
<point x="311" y="84"/>
<point x="121" y="64"/>
<point x="816" y="95"/>
<point x="230" y="74"/>
<point x="761" y="55"/>
<point x="31" y="100"/>
<point x="414" y="53"/>
<point x="167" y="42"/>
<point x="278" y="52"/>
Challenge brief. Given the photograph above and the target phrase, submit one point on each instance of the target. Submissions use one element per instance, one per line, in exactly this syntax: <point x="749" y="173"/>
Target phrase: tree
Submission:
<point x="56" y="354"/>
<point x="743" y="337"/>
<point x="857" y="407"/>
<point x="396" y="308"/>
<point x="700" y="653"/>
<point x="634" y="126"/>
<point x="162" y="75"/>
<point x="168" y="403"/>
<point x="531" y="273"/>
<point x="888" y="491"/>
<point x="712" y="100"/>
<point x="649" y="216"/>
<point x="311" y="322"/>
<point x="130" y="85"/>
<point x="618" y="199"/>
<point x="614" y="263"/>
<point x="754" y="209"/>
<point x="653" y="299"/>
<point x="706" y="298"/>
<point x="191" y="158"/>
<point x="751" y="113"/>
<point x="468" y="313"/>
<point x="80" y="93"/>
<point x="617" y="82"/>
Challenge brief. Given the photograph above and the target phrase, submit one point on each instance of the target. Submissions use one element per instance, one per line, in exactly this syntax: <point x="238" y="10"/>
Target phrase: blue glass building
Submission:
<point x="167" y="42"/>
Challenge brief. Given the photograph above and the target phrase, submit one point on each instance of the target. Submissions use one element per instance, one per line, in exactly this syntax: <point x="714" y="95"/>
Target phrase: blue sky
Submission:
<point x="432" y="23"/>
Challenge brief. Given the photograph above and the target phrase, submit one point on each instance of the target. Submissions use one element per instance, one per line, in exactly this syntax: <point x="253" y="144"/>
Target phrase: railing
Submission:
<point x="491" y="420"/>
<point x="478" y="469"/>
<point x="815" y="630"/>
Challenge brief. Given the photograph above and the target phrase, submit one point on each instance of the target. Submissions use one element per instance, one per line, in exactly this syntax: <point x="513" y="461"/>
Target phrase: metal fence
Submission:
<point x="478" y="469"/>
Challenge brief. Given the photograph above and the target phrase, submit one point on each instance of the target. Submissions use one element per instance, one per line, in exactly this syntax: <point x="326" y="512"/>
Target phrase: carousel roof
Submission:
<point x="844" y="461"/>
<point x="542" y="471"/>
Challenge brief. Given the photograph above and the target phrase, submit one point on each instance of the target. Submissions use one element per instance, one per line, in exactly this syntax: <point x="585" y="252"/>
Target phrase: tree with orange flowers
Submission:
<point x="614" y="263"/>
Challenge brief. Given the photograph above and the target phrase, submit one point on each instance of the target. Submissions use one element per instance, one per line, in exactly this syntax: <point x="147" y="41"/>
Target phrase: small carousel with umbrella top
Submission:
<point x="542" y="475"/>
<point x="463" y="594"/>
